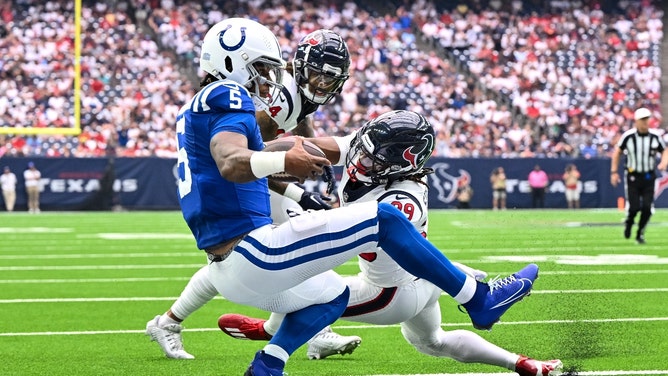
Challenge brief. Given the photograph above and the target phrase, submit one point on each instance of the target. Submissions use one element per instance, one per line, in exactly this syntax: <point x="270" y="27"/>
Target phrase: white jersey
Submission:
<point x="286" y="104"/>
<point x="410" y="198"/>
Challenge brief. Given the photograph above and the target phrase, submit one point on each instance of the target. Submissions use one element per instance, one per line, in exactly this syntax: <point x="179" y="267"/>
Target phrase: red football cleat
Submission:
<point x="243" y="327"/>
<point x="531" y="367"/>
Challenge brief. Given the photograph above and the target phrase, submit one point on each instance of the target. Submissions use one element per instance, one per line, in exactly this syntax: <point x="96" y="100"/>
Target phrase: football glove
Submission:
<point x="329" y="178"/>
<point x="314" y="201"/>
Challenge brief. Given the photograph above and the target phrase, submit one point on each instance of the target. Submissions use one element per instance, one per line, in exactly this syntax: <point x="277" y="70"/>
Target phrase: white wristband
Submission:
<point x="266" y="163"/>
<point x="293" y="192"/>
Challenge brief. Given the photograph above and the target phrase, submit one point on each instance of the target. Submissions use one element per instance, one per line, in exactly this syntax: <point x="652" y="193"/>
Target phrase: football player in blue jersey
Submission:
<point x="383" y="293"/>
<point x="323" y="62"/>
<point x="286" y="269"/>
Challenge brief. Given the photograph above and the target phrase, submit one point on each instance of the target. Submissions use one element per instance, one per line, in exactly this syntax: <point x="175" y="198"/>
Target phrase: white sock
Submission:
<point x="277" y="352"/>
<point x="462" y="345"/>
<point x="468" y="347"/>
<point x="273" y="323"/>
<point x="468" y="290"/>
<point x="195" y="295"/>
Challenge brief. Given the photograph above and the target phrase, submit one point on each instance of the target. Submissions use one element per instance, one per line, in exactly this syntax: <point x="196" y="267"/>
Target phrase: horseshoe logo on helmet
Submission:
<point x="236" y="46"/>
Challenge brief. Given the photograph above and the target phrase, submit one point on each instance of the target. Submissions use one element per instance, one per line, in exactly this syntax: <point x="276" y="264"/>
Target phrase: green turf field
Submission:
<point x="76" y="291"/>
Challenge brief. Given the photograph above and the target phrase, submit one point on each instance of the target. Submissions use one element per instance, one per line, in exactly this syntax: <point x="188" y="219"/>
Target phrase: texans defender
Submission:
<point x="379" y="169"/>
<point x="320" y="68"/>
<point x="224" y="198"/>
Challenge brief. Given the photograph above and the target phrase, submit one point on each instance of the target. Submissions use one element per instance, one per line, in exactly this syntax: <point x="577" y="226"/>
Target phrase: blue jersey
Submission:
<point x="215" y="209"/>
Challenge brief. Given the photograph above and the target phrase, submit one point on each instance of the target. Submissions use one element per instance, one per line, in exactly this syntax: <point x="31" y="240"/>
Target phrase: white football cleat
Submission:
<point x="169" y="339"/>
<point x="328" y="343"/>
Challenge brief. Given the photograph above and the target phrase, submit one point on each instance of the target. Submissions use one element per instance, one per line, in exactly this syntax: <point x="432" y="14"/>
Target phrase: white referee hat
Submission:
<point x="642" y="113"/>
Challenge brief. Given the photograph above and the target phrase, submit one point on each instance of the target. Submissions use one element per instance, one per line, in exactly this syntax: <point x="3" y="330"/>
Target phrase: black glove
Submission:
<point x="315" y="201"/>
<point x="329" y="178"/>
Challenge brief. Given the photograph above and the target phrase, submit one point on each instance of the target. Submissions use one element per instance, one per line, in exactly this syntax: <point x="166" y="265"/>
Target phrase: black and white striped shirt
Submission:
<point x="641" y="150"/>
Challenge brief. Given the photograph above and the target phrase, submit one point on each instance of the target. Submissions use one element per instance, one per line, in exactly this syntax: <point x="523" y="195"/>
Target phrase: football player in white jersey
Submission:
<point x="384" y="293"/>
<point x="320" y="69"/>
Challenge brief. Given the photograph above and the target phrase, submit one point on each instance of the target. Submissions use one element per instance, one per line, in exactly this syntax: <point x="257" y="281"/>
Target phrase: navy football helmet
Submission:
<point x="393" y="146"/>
<point x="321" y="65"/>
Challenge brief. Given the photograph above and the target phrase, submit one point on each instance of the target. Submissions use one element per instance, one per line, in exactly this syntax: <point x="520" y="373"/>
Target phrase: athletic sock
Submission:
<point x="300" y="326"/>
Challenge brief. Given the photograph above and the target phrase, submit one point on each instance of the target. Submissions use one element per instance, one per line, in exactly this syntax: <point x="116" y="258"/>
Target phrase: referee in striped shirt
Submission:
<point x="641" y="146"/>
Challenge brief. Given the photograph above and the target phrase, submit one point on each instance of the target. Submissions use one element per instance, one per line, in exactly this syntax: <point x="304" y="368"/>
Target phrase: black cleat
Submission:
<point x="640" y="239"/>
<point x="627" y="230"/>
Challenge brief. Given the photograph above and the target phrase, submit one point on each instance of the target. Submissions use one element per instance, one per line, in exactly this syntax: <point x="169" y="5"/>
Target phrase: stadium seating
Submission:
<point x="574" y="79"/>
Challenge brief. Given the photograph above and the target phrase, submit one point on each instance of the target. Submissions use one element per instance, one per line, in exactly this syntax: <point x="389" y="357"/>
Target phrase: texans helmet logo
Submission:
<point x="410" y="157"/>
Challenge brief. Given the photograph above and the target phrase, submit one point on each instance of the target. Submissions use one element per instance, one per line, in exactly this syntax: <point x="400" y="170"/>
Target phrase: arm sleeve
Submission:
<point x="344" y="147"/>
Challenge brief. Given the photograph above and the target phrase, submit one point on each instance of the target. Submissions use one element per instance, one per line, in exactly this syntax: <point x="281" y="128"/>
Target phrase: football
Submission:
<point x="286" y="143"/>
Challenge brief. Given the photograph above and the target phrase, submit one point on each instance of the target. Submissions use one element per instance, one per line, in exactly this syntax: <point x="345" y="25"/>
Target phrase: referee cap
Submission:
<point x="642" y="113"/>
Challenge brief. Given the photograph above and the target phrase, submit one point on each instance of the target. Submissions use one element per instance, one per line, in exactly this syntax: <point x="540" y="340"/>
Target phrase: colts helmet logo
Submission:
<point x="236" y="46"/>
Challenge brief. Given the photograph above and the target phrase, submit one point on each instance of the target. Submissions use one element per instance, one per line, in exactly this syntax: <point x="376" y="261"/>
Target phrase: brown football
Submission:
<point x="286" y="143"/>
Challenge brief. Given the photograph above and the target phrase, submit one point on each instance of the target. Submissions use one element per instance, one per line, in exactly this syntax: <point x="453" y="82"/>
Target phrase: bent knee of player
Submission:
<point x="428" y="345"/>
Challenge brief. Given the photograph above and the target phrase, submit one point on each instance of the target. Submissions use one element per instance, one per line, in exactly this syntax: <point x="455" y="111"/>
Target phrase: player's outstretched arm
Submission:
<point x="239" y="164"/>
<point x="333" y="147"/>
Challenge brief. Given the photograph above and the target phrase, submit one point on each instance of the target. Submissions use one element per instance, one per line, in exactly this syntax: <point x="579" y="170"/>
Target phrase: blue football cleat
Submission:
<point x="503" y="293"/>
<point x="259" y="368"/>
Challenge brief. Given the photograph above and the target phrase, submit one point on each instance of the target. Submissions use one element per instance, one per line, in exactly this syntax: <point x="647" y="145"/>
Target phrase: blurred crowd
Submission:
<point x="130" y="89"/>
<point x="575" y="75"/>
<point x="576" y="72"/>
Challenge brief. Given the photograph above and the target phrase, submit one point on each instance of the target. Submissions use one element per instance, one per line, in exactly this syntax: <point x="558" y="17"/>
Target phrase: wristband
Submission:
<point x="613" y="172"/>
<point x="293" y="192"/>
<point x="266" y="163"/>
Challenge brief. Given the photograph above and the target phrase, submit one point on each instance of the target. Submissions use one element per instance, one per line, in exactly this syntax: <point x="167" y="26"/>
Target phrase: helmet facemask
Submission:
<point x="320" y="85"/>
<point x="321" y="66"/>
<point x="362" y="166"/>
<point x="263" y="73"/>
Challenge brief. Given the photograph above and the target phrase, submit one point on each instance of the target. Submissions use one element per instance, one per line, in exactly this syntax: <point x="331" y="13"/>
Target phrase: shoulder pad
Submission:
<point x="223" y="96"/>
<point x="286" y="105"/>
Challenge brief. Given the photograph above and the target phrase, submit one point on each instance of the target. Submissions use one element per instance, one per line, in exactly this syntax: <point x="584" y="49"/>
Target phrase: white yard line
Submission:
<point x="148" y="298"/>
<point x="188" y="266"/>
<point x="584" y="373"/>
<point x="342" y="327"/>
